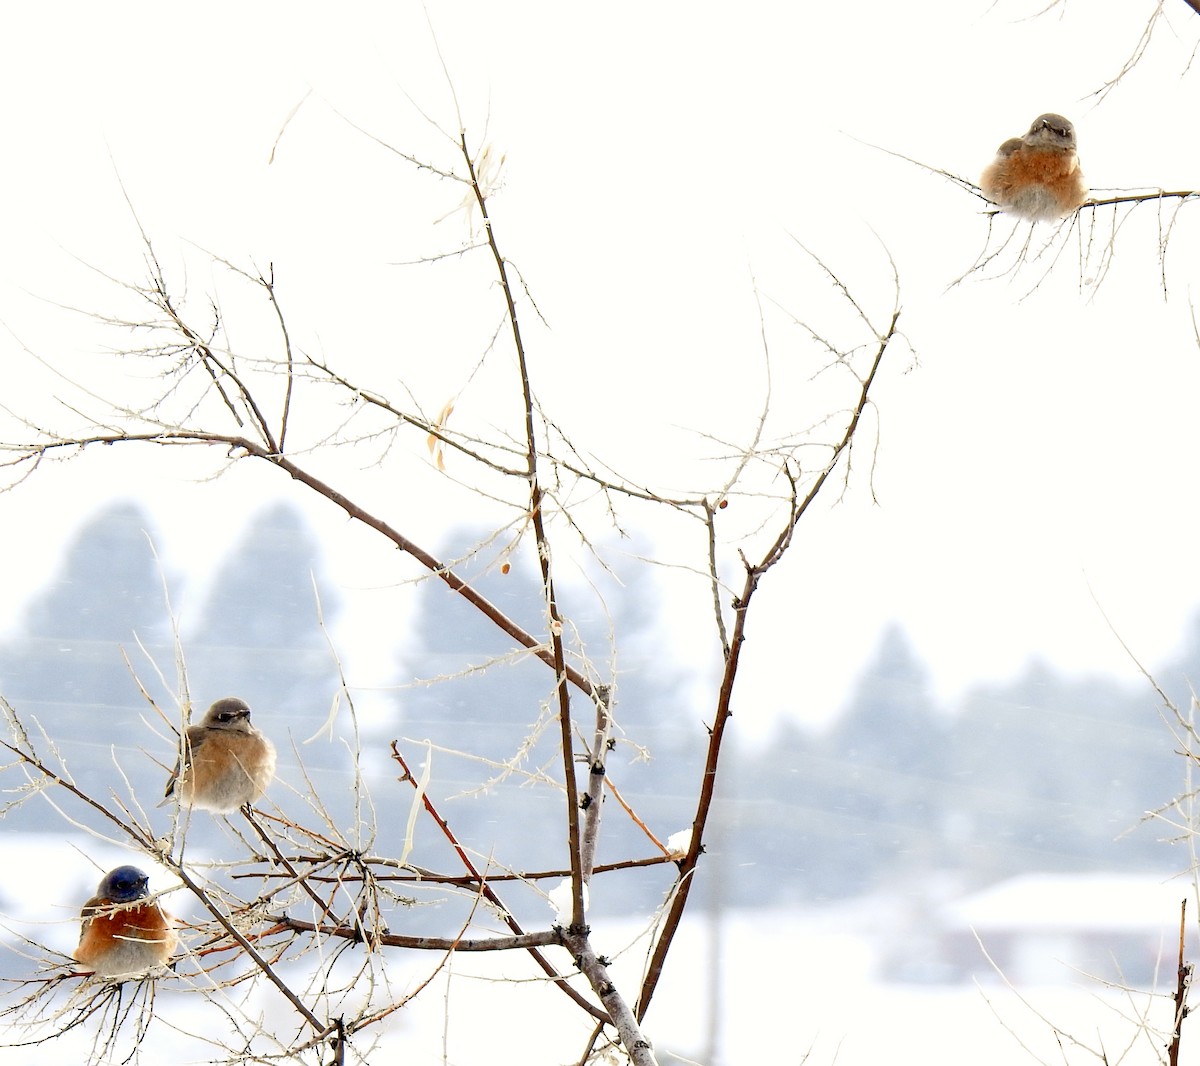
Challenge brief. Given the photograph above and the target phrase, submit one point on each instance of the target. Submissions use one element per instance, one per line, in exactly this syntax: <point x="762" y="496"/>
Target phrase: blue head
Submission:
<point x="124" y="885"/>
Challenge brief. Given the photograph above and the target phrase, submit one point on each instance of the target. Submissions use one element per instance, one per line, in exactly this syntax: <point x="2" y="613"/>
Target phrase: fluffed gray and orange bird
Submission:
<point x="227" y="763"/>
<point x="1037" y="177"/>
<point x="123" y="933"/>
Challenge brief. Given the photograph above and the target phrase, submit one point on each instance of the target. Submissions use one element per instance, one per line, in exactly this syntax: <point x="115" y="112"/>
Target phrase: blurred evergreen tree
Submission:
<point x="886" y="764"/>
<point x="1038" y="773"/>
<point x="892" y="720"/>
<point x="1051" y="773"/>
<point x="259" y="636"/>
<point x="496" y="706"/>
<point x="777" y="817"/>
<point x="64" y="667"/>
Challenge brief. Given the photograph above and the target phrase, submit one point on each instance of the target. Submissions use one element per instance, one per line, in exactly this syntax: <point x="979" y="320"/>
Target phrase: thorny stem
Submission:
<point x="267" y="969"/>
<point x="710" y="525"/>
<point x="543" y="550"/>
<point x="423" y="876"/>
<point x="269" y="285"/>
<point x="433" y="430"/>
<point x="1143" y="198"/>
<point x="477" y="879"/>
<point x="776" y="551"/>
<point x="134" y="832"/>
<point x="724" y="709"/>
<point x="543" y="938"/>
<point x="479" y="602"/>
<point x="210" y="359"/>
<point x="238" y="399"/>
<point x="265" y="837"/>
<point x="197" y="890"/>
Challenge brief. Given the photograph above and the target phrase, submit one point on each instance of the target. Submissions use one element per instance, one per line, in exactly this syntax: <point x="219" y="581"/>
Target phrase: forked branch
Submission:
<point x="724" y="703"/>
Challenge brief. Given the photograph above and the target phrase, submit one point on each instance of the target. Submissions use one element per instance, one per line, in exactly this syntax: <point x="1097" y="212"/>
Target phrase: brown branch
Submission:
<point x="147" y="844"/>
<point x="487" y="892"/>
<point x="724" y="709"/>
<point x="566" y="732"/>
<point x="479" y="602"/>
<point x="323" y="907"/>
<point x="421" y="876"/>
<point x="714" y="578"/>
<point x="419" y="422"/>
<point x="1183" y="975"/>
<point x="208" y="358"/>
<point x="263" y="965"/>
<point x="409" y="996"/>
<point x="971" y="187"/>
<point x="666" y="855"/>
<point x="780" y="546"/>
<point x="420" y="164"/>
<point x="521" y="941"/>
<point x="1144" y="198"/>
<point x="269" y="285"/>
<point x="34" y="454"/>
<point x="634" y="492"/>
<point x="143" y="839"/>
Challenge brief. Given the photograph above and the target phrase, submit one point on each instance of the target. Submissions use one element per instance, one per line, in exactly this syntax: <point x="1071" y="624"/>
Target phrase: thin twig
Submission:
<point x="724" y="711"/>
<point x="537" y="516"/>
<point x="489" y="894"/>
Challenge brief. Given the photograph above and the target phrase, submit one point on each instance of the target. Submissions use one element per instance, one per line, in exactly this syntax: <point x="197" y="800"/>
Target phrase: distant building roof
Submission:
<point x="1066" y="902"/>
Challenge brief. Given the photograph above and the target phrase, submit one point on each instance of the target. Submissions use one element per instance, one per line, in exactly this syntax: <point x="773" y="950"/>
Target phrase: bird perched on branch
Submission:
<point x="226" y="764"/>
<point x="1037" y="176"/>
<point x="123" y="932"/>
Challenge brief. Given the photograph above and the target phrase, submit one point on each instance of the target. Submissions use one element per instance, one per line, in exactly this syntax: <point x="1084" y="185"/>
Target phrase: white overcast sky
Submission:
<point x="660" y="160"/>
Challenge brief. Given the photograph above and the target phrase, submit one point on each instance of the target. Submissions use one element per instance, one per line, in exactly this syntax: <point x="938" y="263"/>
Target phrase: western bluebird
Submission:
<point x="1037" y="176"/>
<point x="121" y="935"/>
<point x="227" y="763"/>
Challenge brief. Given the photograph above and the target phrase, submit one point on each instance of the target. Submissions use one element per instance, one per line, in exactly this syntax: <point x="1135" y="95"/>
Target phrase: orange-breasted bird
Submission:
<point x="123" y="933"/>
<point x="1037" y="177"/>
<point x="227" y="763"/>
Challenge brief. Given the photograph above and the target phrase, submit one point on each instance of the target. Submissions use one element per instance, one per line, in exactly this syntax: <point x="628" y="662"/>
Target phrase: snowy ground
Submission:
<point x="789" y="987"/>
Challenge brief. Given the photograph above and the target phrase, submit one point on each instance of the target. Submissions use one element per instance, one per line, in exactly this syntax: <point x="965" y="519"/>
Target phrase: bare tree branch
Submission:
<point x="724" y="705"/>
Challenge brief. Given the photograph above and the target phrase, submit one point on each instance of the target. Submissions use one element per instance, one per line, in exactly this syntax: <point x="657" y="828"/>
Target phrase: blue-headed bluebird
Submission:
<point x="227" y="763"/>
<point x="1037" y="176"/>
<point x="123" y="932"/>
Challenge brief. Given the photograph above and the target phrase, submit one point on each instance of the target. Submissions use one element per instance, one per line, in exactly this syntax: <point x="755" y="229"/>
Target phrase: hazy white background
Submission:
<point x="660" y="158"/>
